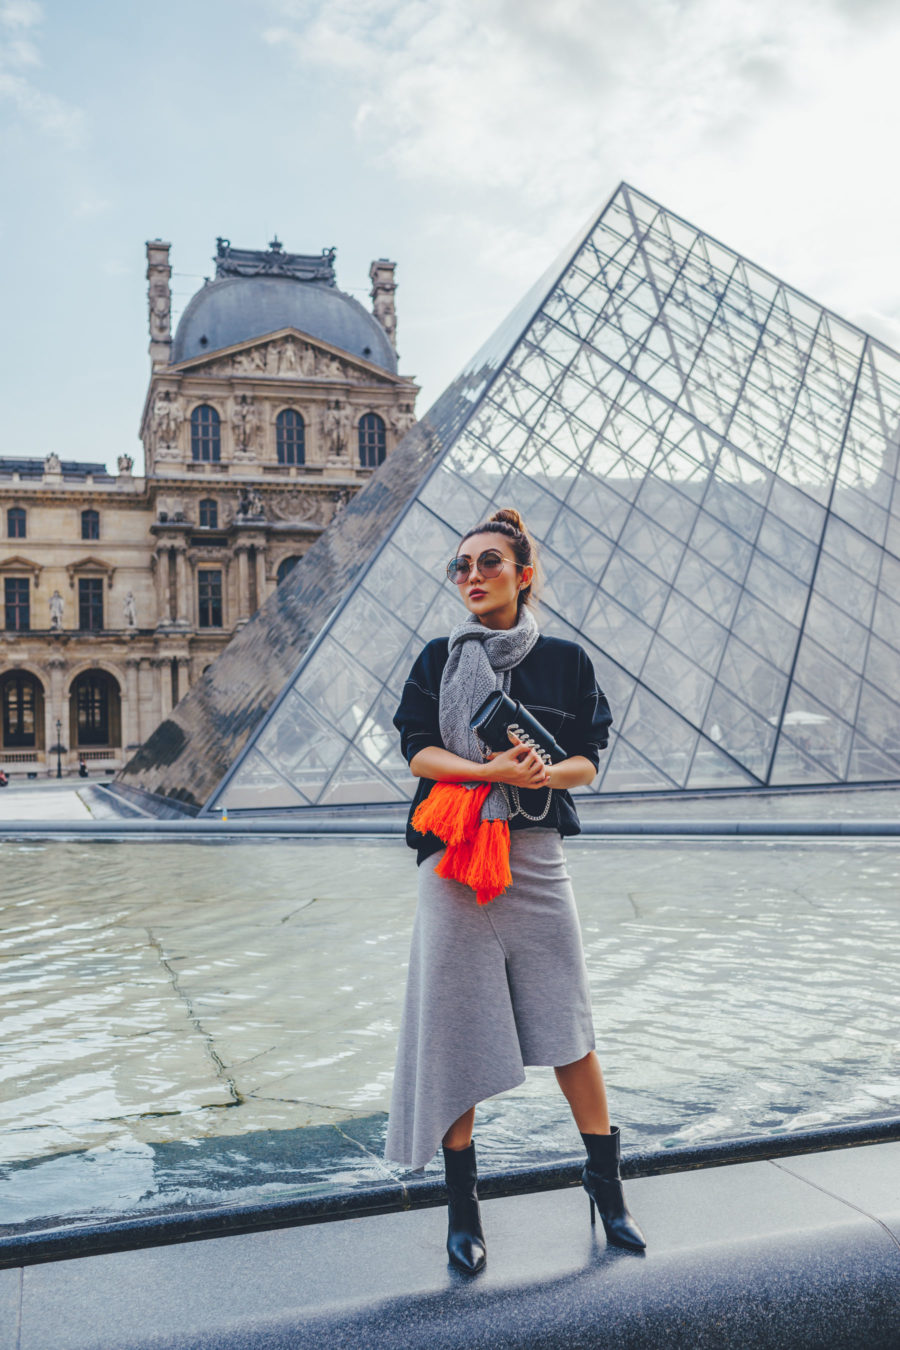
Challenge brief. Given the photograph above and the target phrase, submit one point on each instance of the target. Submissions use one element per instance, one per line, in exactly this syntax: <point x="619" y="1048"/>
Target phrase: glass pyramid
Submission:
<point x="708" y="461"/>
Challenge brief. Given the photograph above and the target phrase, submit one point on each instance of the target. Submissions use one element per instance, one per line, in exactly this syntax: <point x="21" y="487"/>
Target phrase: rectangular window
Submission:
<point x="90" y="603"/>
<point x="18" y="605"/>
<point x="90" y="524"/>
<point x="15" y="522"/>
<point x="19" y="720"/>
<point x="210" y="598"/>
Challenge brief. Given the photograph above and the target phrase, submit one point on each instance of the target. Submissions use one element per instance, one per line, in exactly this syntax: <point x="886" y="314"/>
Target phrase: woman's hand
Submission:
<point x="520" y="766"/>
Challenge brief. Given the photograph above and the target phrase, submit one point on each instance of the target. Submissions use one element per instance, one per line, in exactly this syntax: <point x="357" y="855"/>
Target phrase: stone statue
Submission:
<point x="126" y="464"/>
<point x="168" y="416"/>
<point x="52" y="464"/>
<point x="245" y="424"/>
<point x="307" y="362"/>
<point x="130" y="610"/>
<point x="329" y="368"/>
<point x="288" y="360"/>
<point x="402" y="419"/>
<point x="250" y="362"/>
<point x="250" y="505"/>
<point x="57" y="606"/>
<point x="336" y="420"/>
<point x="159" y="312"/>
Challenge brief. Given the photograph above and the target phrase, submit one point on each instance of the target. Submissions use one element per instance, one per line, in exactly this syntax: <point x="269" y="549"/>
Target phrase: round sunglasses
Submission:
<point x="489" y="564"/>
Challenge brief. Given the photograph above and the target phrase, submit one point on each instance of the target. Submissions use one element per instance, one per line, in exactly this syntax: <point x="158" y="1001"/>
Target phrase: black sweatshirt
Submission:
<point x="555" y="682"/>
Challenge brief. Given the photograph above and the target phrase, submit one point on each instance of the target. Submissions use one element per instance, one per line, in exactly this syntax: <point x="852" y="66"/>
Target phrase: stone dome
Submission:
<point x="234" y="309"/>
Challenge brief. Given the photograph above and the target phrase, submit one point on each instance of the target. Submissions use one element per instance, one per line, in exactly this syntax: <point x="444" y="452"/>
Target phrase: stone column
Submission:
<point x="184" y="675"/>
<point x="182" y="600"/>
<point x="150" y="715"/>
<point x="243" y="584"/>
<point x="260" y="576"/>
<point x="55" y="707"/>
<point x="163" y="668"/>
<point x="131" y="734"/>
<point x="164" y="616"/>
<point x="159" y="301"/>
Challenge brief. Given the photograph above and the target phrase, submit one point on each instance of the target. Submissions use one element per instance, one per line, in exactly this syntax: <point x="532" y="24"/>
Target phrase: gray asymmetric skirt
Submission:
<point x="490" y="989"/>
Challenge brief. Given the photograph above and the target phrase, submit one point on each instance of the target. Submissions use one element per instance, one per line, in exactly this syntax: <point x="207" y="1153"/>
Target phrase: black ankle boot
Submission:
<point x="465" y="1237"/>
<point x="601" y="1180"/>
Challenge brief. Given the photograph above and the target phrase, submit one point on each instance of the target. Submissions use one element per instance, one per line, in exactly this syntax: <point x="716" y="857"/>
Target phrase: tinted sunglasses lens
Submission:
<point x="458" y="570"/>
<point x="490" y="565"/>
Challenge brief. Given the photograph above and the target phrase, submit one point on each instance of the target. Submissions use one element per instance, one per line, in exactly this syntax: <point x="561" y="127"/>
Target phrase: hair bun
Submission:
<point x="508" y="515"/>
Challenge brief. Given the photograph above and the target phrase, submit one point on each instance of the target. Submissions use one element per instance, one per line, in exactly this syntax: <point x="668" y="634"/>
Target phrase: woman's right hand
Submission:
<point x="520" y="766"/>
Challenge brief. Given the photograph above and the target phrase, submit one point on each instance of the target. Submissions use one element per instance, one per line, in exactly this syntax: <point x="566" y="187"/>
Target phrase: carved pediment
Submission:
<point x="90" y="566"/>
<point x="19" y="564"/>
<point x="288" y="355"/>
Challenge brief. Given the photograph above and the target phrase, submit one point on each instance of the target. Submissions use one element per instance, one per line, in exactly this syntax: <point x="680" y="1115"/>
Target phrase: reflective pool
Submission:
<point x="182" y="1023"/>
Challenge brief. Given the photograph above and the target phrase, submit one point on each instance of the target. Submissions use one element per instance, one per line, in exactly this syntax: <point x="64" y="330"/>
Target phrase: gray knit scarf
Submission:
<point x="480" y="660"/>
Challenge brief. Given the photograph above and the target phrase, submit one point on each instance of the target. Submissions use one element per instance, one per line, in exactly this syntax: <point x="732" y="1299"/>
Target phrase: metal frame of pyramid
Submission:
<point x="708" y="461"/>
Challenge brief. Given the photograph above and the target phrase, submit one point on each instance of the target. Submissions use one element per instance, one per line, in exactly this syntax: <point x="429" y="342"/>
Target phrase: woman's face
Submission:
<point x="494" y="599"/>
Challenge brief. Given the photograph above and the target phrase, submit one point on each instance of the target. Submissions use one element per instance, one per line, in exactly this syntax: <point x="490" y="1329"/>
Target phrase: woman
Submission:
<point x="497" y="978"/>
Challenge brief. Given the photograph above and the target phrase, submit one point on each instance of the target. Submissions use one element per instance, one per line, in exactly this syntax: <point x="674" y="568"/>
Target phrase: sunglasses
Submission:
<point x="489" y="564"/>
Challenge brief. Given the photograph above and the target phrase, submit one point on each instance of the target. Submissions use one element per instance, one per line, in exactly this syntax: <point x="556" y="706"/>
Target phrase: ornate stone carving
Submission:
<point x="129" y="611"/>
<point x="250" y="506"/>
<point x="336" y="424"/>
<point x="52" y="464"/>
<point x="245" y="426"/>
<point x="299" y="508"/>
<point x="125" y="465"/>
<point x="165" y="424"/>
<point x="287" y="359"/>
<point x="402" y="418"/>
<point x="57" y="609"/>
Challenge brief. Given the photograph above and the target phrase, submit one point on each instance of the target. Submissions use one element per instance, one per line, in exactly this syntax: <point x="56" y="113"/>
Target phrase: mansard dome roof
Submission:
<point x="255" y="293"/>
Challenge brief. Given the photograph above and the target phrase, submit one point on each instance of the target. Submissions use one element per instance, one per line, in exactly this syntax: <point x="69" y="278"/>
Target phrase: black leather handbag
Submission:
<point x="500" y="714"/>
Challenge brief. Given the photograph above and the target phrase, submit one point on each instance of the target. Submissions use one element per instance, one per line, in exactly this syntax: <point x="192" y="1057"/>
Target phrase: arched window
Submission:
<point x="95" y="710"/>
<point x="90" y="524"/>
<point x="15" y="522"/>
<point x="205" y="434"/>
<point x="286" y="566"/>
<point x="23" y="711"/>
<point x="209" y="514"/>
<point x="371" y="440"/>
<point x="290" y="437"/>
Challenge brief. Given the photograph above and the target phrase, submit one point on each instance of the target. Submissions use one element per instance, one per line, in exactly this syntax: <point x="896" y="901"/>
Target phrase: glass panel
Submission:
<point x="755" y="680"/>
<point x="721" y="546"/>
<point x="598" y="504"/>
<point x="629" y="771"/>
<point x="301" y="747"/>
<point x="411" y="582"/>
<point x="692" y="632"/>
<point x="574" y="540"/>
<point x="677" y="680"/>
<point x="652" y="545"/>
<point x="779" y="589"/>
<point x="794" y="768"/>
<point x="565" y="589"/>
<point x="455" y="500"/>
<point x="338" y="687"/>
<point x="663" y="737"/>
<point x="831" y="681"/>
<point x="878" y="720"/>
<point x="730" y="724"/>
<point x="845" y="588"/>
<point x="766" y="632"/>
<point x="617" y="632"/>
<point x="712" y="768"/>
<point x="707" y="587"/>
<point x="787" y="547"/>
<point x="371" y="634"/>
<point x="379" y="743"/>
<point x="817" y="732"/>
<point x="356" y="781"/>
<point x="256" y="786"/>
<point x="869" y="765"/>
<point x="883" y="666"/>
<point x="635" y="586"/>
<point x="843" y="636"/>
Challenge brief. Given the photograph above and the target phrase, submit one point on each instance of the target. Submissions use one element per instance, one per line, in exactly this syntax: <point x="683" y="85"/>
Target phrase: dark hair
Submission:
<point x="510" y="524"/>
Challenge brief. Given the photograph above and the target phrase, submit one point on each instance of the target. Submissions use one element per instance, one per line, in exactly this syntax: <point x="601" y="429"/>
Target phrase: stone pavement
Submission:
<point x="798" y="1254"/>
<point x="51" y="799"/>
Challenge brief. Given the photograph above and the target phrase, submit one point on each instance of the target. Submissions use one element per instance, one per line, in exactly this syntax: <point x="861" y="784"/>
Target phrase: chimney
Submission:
<point x="383" y="286"/>
<point x="159" y="299"/>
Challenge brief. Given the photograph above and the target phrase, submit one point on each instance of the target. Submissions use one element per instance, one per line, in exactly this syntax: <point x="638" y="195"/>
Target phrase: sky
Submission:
<point x="466" y="139"/>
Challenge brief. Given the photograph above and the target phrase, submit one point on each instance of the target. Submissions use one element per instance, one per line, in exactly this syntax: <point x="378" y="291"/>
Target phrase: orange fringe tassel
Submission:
<point x="477" y="852"/>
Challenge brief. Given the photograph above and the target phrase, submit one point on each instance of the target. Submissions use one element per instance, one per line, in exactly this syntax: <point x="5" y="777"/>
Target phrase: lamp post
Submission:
<point x="58" y="748"/>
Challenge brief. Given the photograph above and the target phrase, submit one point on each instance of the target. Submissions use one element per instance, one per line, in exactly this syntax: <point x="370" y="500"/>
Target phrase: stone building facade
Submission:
<point x="265" y="413"/>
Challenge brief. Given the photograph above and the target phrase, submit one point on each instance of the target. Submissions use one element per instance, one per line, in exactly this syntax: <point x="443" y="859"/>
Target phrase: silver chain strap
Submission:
<point x="514" y="806"/>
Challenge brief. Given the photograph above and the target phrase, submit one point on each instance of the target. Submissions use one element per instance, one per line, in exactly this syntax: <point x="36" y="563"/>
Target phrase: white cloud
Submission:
<point x="19" y="56"/>
<point x="770" y="122"/>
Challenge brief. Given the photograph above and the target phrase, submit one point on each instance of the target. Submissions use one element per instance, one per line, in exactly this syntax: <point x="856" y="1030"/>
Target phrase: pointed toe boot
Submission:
<point x="465" y="1236"/>
<point x="603" y="1184"/>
